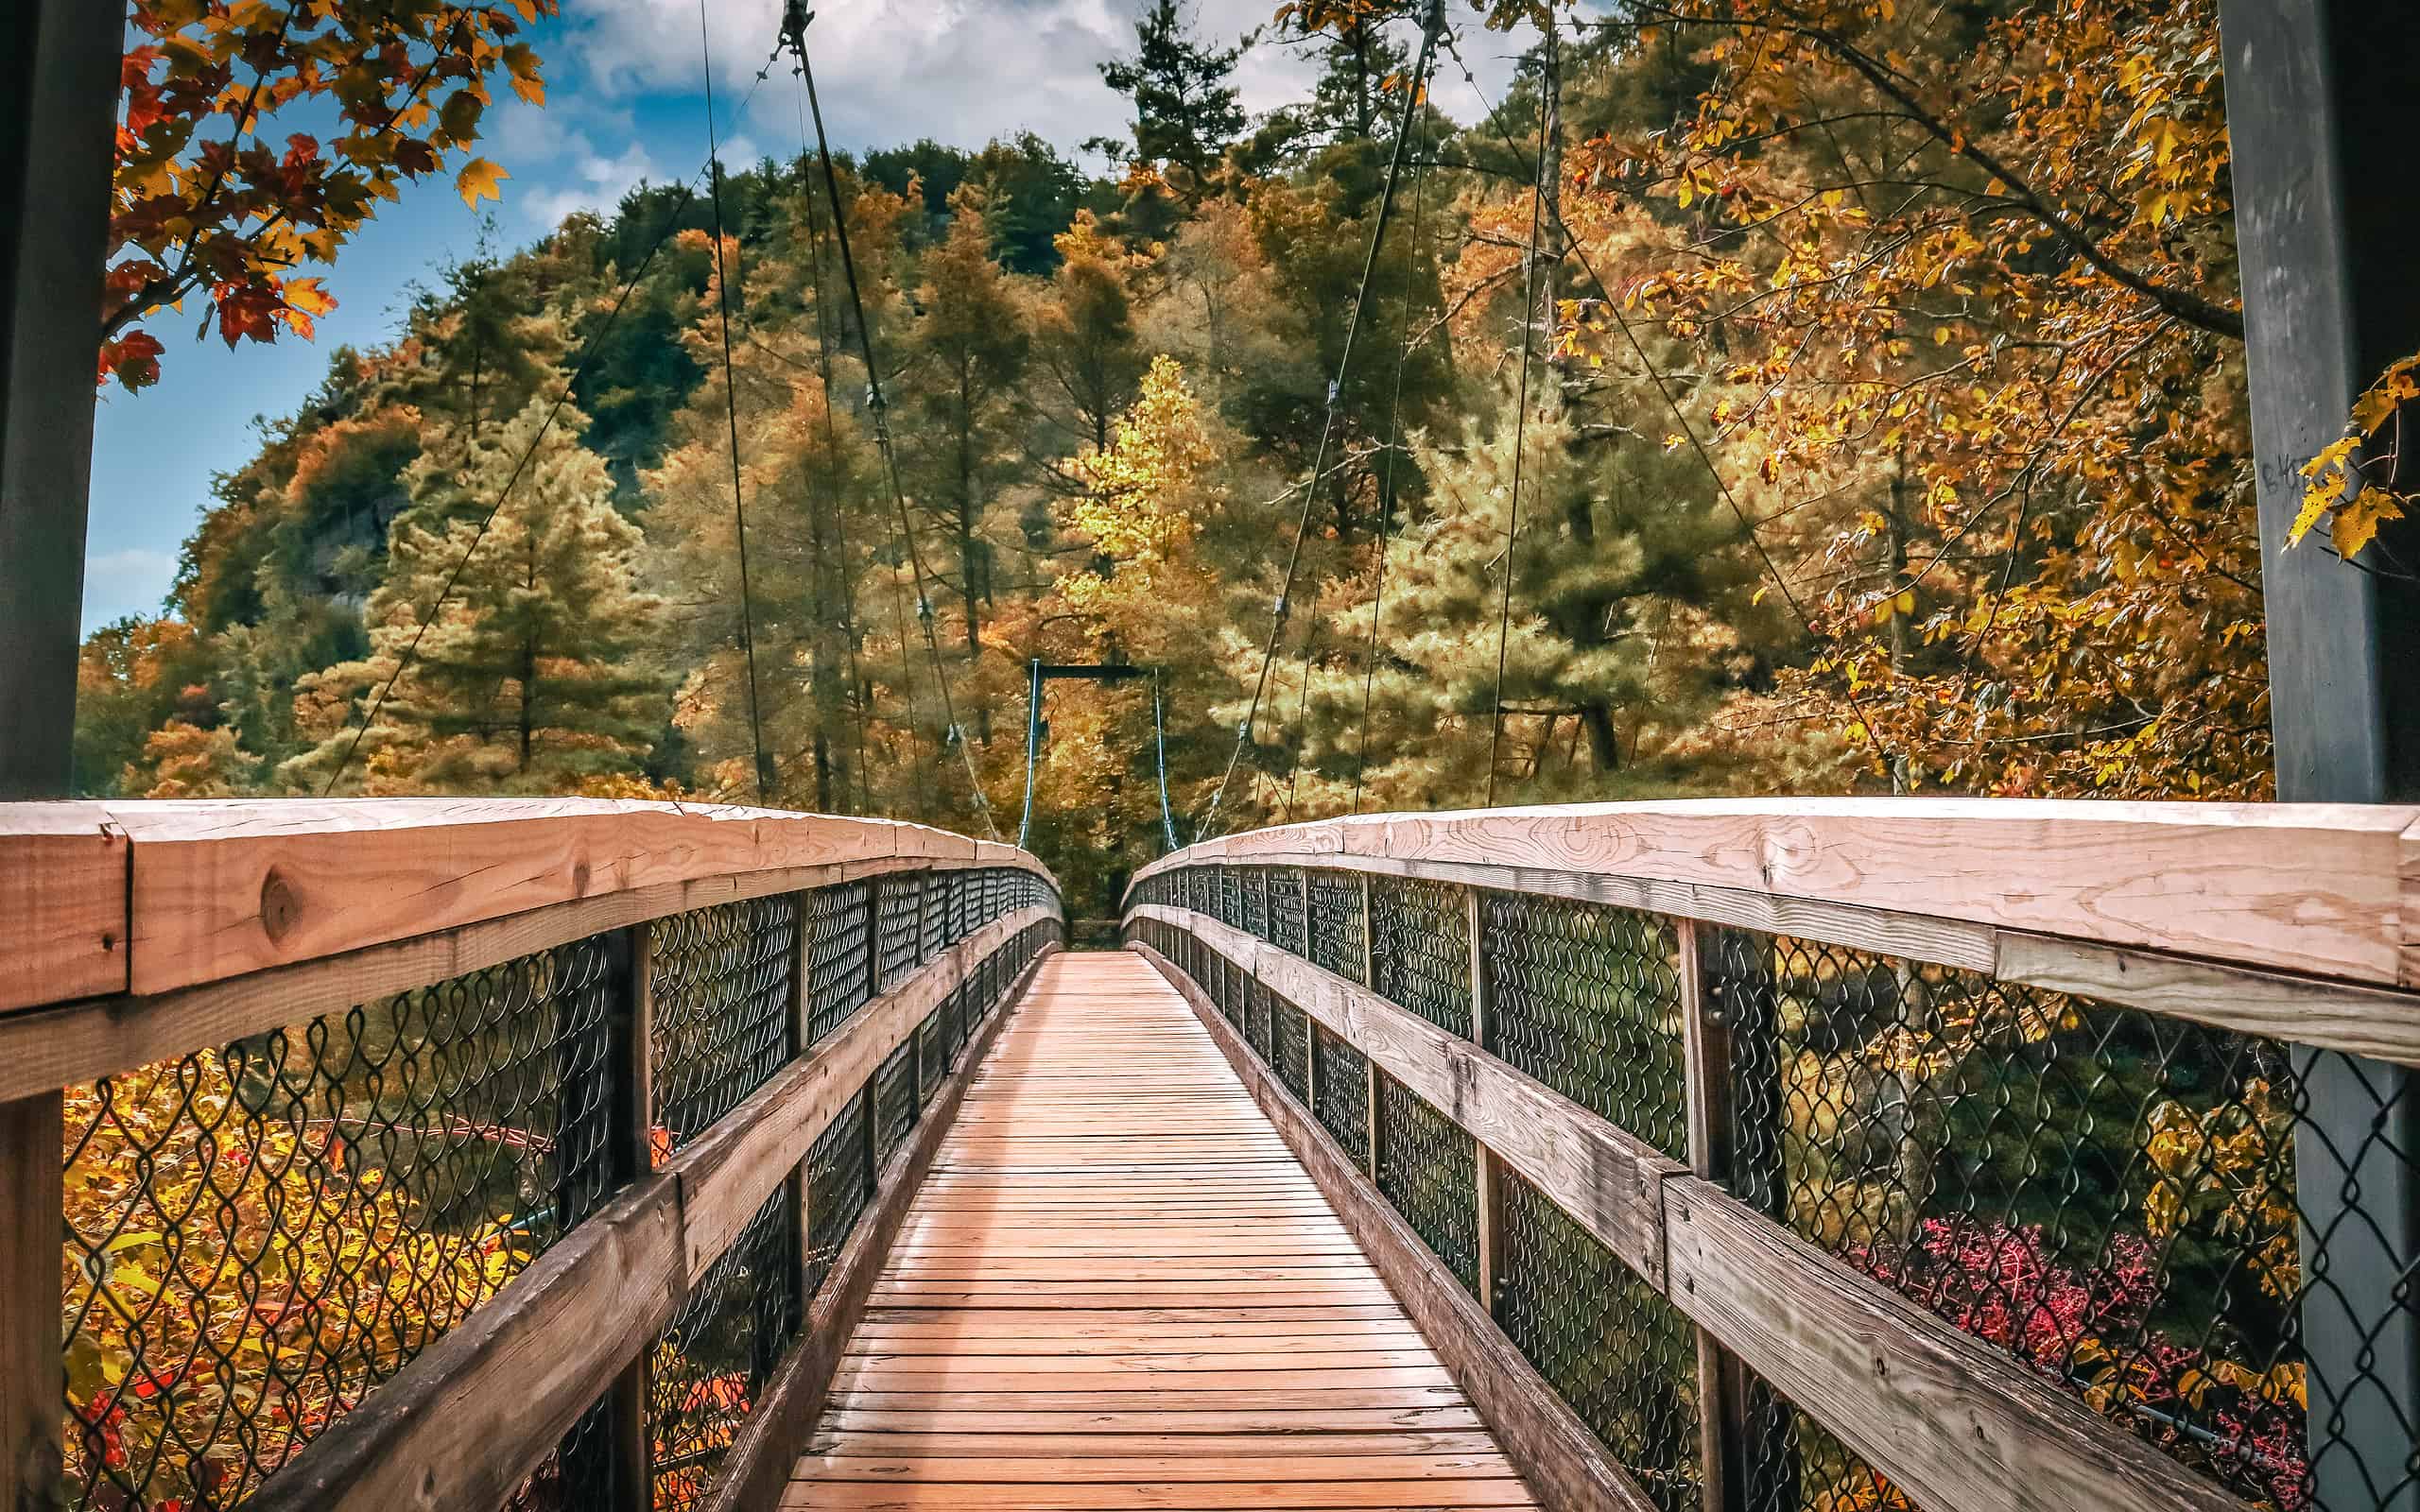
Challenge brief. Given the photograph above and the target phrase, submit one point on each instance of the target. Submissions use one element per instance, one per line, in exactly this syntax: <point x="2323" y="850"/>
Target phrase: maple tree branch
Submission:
<point x="2190" y="308"/>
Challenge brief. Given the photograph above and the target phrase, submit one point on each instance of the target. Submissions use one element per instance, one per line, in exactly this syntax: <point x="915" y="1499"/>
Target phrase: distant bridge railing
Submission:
<point x="463" y="1154"/>
<point x="1803" y="1156"/>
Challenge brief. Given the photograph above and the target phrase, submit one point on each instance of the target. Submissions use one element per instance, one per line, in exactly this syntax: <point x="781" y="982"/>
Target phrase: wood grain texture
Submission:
<point x="80" y="1041"/>
<point x="1562" y="1462"/>
<point x="992" y="1339"/>
<point x="1949" y="1419"/>
<point x="763" y="1450"/>
<point x="32" y="1379"/>
<point x="2315" y="888"/>
<point x="464" y="1423"/>
<point x="216" y="889"/>
<point x="62" y="903"/>
<point x="1607" y="1179"/>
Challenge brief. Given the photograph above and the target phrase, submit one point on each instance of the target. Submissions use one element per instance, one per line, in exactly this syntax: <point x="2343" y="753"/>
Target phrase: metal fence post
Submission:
<point x="629" y="1431"/>
<point x="1707" y="1050"/>
<point x="1491" y="1183"/>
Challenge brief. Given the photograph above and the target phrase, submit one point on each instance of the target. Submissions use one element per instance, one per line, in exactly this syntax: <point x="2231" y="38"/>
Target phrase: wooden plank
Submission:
<point x="1607" y="1179"/>
<point x="2193" y="878"/>
<point x="761" y="1454"/>
<point x="1562" y="1461"/>
<point x="1011" y="1346"/>
<point x="31" y="1376"/>
<point x="62" y="903"/>
<point x="1949" y="1419"/>
<point x="223" y="888"/>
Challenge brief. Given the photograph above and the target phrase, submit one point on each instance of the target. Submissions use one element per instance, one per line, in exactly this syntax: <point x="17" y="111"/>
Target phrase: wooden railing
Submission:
<point x="462" y="1155"/>
<point x="1967" y="1156"/>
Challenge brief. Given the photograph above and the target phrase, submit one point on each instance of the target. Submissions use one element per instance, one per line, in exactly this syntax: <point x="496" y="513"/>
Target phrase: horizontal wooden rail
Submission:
<point x="2296" y="921"/>
<point x="147" y="898"/>
<point x="466" y="1422"/>
<point x="1952" y="1420"/>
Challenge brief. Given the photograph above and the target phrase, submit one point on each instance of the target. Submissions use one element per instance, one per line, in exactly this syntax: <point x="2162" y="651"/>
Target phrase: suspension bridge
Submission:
<point x="1739" y="1156"/>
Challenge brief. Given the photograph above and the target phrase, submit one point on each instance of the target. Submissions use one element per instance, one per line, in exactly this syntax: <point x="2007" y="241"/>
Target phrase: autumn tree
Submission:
<point x="969" y="351"/>
<point x="204" y="206"/>
<point x="526" y="678"/>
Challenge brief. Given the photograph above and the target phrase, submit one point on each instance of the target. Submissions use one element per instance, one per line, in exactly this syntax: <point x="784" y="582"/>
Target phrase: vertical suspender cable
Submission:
<point x="795" y="26"/>
<point x="731" y="411"/>
<point x="1520" y="437"/>
<point x="1160" y="741"/>
<point x="1434" y="25"/>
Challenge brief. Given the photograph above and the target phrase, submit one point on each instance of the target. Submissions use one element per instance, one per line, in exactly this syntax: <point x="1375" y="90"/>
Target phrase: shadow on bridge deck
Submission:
<point x="1119" y="1289"/>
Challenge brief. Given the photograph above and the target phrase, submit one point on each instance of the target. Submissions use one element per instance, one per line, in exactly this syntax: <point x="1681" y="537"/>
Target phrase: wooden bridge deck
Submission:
<point x="1119" y="1289"/>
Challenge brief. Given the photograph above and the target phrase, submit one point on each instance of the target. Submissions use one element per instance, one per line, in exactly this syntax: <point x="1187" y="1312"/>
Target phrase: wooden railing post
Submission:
<point x="33" y="1398"/>
<point x="801" y="1027"/>
<point x="629" y="1434"/>
<point x="1490" y="1179"/>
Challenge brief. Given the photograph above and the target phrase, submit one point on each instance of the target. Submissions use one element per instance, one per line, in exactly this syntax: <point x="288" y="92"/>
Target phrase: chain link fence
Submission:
<point x="2174" y="1224"/>
<point x="260" y="1235"/>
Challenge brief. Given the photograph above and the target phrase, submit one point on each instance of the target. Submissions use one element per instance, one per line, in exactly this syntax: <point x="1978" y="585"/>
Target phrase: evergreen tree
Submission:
<point x="527" y="679"/>
<point x="1186" y="108"/>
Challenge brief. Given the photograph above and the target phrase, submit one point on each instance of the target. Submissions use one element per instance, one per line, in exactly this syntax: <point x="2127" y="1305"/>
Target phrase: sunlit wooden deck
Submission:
<point x="1119" y="1289"/>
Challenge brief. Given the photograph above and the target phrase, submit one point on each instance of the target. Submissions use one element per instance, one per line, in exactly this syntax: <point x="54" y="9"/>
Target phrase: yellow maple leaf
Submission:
<point x="2357" y="524"/>
<point x="479" y="180"/>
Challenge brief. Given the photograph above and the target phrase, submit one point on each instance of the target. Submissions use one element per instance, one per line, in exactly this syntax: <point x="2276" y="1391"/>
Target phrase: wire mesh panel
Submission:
<point x="1622" y="1356"/>
<point x="1420" y="950"/>
<point x="1289" y="1043"/>
<point x="1429" y="1168"/>
<point x="2110" y="1196"/>
<point x="719" y="1009"/>
<point x="1288" y="924"/>
<point x="1340" y="1090"/>
<point x="894" y="1097"/>
<point x="1587" y="999"/>
<point x="839" y="940"/>
<point x="899" y="912"/>
<point x="1230" y="895"/>
<point x="256" y="1236"/>
<point x="1260" y="1014"/>
<point x="933" y="933"/>
<point x="1335" y="923"/>
<point x="840" y="1182"/>
<point x="709" y="1365"/>
<point x="1254" y="920"/>
<point x="1791" y="1463"/>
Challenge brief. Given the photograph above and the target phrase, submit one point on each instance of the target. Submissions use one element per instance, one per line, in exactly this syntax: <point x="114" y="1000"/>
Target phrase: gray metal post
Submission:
<point x="2317" y="91"/>
<point x="59" y="74"/>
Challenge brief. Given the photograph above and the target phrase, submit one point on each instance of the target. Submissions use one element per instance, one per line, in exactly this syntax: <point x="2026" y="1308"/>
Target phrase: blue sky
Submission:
<point x="624" y="104"/>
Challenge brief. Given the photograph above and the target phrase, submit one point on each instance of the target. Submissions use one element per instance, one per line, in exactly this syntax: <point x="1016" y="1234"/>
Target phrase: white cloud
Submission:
<point x="960" y="71"/>
<point x="131" y="580"/>
<point x="589" y="181"/>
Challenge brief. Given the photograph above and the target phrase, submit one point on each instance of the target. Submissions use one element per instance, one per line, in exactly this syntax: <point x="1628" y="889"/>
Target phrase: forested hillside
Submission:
<point x="1860" y="394"/>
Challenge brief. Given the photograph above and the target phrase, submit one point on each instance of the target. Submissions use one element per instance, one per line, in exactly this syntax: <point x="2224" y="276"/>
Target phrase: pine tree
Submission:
<point x="1186" y="108"/>
<point x="529" y="678"/>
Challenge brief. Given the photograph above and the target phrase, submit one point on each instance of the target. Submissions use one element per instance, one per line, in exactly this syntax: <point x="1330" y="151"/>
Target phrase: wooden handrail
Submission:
<point x="143" y="897"/>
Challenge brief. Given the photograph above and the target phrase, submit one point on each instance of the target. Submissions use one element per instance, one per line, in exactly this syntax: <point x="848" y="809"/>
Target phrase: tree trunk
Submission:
<point x="1550" y="243"/>
<point x="1605" y="741"/>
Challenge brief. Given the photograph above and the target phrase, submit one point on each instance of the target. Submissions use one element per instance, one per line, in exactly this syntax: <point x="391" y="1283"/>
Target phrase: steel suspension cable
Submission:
<point x="1387" y="479"/>
<point x="588" y="351"/>
<point x="1429" y="30"/>
<point x="860" y="694"/>
<point x="879" y="408"/>
<point x="1520" y="446"/>
<point x="1688" y="430"/>
<point x="723" y="277"/>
